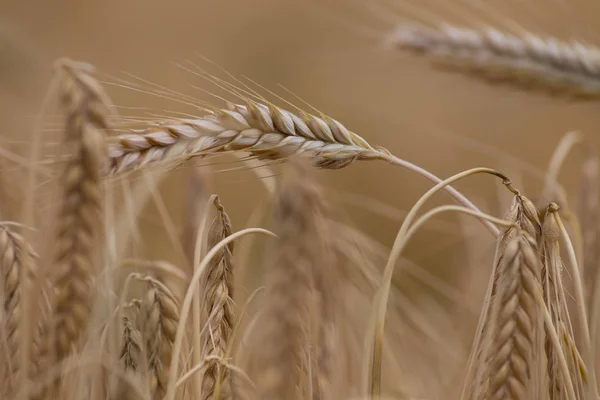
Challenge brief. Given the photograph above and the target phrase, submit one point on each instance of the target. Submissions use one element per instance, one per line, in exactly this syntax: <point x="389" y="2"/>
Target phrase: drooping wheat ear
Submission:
<point x="279" y="364"/>
<point x="529" y="60"/>
<point x="12" y="272"/>
<point x="131" y="356"/>
<point x="160" y="318"/>
<point x="265" y="131"/>
<point x="217" y="289"/>
<point x="80" y="223"/>
<point x="515" y="320"/>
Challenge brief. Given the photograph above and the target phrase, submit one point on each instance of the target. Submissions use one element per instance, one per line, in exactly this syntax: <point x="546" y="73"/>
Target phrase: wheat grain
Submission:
<point x="529" y="60"/>
<point x="160" y="319"/>
<point x="217" y="289"/>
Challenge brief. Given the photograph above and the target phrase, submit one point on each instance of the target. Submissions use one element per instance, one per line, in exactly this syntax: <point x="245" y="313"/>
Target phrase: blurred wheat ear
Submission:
<point x="528" y="61"/>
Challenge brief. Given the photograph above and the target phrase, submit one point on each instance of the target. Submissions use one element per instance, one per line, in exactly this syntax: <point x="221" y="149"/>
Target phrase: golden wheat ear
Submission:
<point x="527" y="61"/>
<point x="265" y="131"/>
<point x="160" y="316"/>
<point x="217" y="289"/>
<point x="80" y="229"/>
<point x="280" y="360"/>
<point x="80" y="221"/>
<point x="514" y="321"/>
<point x="13" y="272"/>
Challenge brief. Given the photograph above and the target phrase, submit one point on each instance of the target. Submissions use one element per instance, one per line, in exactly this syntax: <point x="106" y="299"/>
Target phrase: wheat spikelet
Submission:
<point x="543" y="62"/>
<point x="217" y="289"/>
<point x="526" y="215"/>
<point x="510" y="368"/>
<point x="160" y="318"/>
<point x="131" y="348"/>
<point x="281" y="366"/>
<point x="13" y="272"/>
<point x="266" y="131"/>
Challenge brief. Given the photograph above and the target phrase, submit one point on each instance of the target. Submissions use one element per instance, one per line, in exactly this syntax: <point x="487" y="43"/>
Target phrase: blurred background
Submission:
<point x="332" y="55"/>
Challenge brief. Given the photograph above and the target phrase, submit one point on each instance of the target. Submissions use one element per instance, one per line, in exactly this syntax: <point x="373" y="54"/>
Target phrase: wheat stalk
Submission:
<point x="160" y="319"/>
<point x="529" y="60"/>
<point x="217" y="289"/>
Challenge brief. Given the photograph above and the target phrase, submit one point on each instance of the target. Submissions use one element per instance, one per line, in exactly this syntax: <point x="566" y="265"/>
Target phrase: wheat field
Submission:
<point x="277" y="200"/>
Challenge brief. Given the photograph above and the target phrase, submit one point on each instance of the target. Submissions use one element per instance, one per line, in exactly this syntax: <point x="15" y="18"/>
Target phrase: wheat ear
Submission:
<point x="281" y="365"/>
<point x="131" y="357"/>
<point x="555" y="299"/>
<point x="217" y="289"/>
<point x="266" y="131"/>
<point x="131" y="348"/>
<point x="525" y="214"/>
<point x="160" y="319"/>
<point x="529" y="60"/>
<point x="79" y="221"/>
<point x="80" y="216"/>
<point x="515" y="320"/>
<point x="13" y="272"/>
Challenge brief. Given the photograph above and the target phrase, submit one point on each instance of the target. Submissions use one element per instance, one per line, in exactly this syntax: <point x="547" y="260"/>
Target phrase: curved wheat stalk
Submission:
<point x="543" y="62"/>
